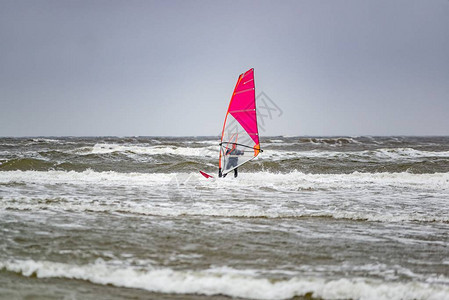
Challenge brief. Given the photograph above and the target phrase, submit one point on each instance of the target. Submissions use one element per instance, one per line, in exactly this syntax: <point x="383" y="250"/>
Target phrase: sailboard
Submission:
<point x="206" y="175"/>
<point x="240" y="135"/>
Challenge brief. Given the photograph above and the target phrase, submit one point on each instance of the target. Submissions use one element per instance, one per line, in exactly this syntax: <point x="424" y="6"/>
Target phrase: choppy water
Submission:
<point x="321" y="217"/>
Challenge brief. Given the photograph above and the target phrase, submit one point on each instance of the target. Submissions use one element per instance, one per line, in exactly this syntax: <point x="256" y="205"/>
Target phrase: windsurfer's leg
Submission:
<point x="219" y="172"/>
<point x="235" y="173"/>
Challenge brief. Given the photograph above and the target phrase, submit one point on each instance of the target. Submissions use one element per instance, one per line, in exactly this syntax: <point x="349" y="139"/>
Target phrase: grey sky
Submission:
<point x="169" y="67"/>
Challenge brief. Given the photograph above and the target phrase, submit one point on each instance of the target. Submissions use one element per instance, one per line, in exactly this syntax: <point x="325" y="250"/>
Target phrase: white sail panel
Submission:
<point x="236" y="147"/>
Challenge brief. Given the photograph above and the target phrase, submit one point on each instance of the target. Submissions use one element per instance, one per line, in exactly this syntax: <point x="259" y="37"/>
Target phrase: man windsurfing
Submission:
<point x="233" y="159"/>
<point x="239" y="128"/>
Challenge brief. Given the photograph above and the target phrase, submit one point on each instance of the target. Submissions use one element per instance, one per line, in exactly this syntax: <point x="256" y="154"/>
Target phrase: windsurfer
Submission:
<point x="232" y="161"/>
<point x="240" y="126"/>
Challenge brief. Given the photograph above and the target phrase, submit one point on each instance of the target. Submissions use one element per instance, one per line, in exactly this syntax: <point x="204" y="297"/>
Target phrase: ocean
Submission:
<point x="310" y="218"/>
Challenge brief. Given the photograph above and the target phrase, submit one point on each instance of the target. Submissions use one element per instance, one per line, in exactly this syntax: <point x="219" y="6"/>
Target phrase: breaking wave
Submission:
<point x="295" y="180"/>
<point x="337" y="141"/>
<point x="378" y="154"/>
<point x="246" y="284"/>
<point x="170" y="155"/>
<point x="270" y="190"/>
<point x="60" y="205"/>
<point x="210" y="151"/>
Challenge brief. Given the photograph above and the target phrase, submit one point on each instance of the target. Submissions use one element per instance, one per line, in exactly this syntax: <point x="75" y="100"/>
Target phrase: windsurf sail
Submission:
<point x="240" y="136"/>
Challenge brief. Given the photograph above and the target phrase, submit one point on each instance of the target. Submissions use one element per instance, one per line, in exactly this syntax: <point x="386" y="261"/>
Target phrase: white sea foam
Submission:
<point x="226" y="281"/>
<point x="46" y="140"/>
<point x="397" y="153"/>
<point x="208" y="142"/>
<point x="276" y="141"/>
<point x="379" y="197"/>
<point x="277" y="181"/>
<point x="329" y="141"/>
<point x="210" y="151"/>
<point x="238" y="212"/>
<point x="379" y="154"/>
<point x="81" y="178"/>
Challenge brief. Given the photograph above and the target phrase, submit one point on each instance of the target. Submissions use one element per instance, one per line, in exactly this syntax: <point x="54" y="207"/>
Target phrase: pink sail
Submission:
<point x="240" y="135"/>
<point x="243" y="104"/>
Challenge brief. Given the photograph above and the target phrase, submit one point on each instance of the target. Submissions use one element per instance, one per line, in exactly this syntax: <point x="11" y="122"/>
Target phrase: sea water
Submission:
<point x="310" y="218"/>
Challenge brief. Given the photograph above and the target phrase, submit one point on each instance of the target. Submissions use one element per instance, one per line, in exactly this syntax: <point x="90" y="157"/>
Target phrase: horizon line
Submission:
<point x="200" y="136"/>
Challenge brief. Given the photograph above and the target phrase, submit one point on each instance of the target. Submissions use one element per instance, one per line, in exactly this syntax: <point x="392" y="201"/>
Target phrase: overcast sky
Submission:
<point x="131" y="68"/>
